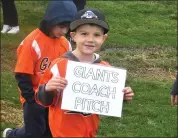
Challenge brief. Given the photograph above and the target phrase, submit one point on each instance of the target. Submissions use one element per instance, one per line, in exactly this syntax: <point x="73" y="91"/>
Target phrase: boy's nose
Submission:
<point x="90" y="38"/>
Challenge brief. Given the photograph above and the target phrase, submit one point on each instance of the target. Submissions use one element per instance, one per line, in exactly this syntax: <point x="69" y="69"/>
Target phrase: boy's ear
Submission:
<point x="105" y="36"/>
<point x="72" y="35"/>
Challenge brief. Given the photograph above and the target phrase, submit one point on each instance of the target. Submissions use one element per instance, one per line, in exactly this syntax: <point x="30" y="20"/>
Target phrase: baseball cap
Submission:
<point x="92" y="16"/>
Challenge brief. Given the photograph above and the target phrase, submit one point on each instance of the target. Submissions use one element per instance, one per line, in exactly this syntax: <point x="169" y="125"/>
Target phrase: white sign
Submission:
<point x="94" y="89"/>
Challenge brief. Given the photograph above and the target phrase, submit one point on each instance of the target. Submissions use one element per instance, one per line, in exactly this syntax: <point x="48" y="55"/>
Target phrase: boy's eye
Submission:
<point x="83" y="33"/>
<point x="97" y="34"/>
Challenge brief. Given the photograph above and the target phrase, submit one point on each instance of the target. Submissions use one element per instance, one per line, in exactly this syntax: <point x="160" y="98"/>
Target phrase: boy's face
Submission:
<point x="88" y="38"/>
<point x="59" y="30"/>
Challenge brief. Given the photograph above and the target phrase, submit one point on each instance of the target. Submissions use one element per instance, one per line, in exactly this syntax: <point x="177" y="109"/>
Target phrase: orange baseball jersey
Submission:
<point x="35" y="54"/>
<point x="64" y="123"/>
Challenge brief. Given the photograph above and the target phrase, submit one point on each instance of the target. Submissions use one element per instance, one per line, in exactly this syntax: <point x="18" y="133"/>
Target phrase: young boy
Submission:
<point x="89" y="33"/>
<point x="34" y="55"/>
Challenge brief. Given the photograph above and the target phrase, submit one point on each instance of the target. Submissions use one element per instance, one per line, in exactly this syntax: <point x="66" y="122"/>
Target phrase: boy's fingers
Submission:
<point x="127" y="90"/>
<point x="63" y="81"/>
<point x="58" y="79"/>
<point x="61" y="85"/>
<point x="129" y="94"/>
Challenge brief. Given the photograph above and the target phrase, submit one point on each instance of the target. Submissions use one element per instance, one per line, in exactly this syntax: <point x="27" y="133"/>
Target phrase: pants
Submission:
<point x="80" y="4"/>
<point x="35" y="123"/>
<point x="10" y="16"/>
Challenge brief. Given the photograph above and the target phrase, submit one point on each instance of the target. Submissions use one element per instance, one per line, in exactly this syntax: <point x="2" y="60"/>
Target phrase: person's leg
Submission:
<point x="6" y="27"/>
<point x="80" y="4"/>
<point x="10" y="16"/>
<point x="13" y="18"/>
<point x="47" y="133"/>
<point x="14" y="15"/>
<point x="34" y="122"/>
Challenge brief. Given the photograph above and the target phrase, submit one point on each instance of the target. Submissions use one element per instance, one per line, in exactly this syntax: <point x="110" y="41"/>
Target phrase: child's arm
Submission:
<point x="24" y="69"/>
<point x="25" y="85"/>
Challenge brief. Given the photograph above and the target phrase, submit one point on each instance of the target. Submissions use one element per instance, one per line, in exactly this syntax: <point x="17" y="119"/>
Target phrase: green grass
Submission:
<point x="140" y="23"/>
<point x="142" y="39"/>
<point x="9" y="89"/>
<point x="147" y="115"/>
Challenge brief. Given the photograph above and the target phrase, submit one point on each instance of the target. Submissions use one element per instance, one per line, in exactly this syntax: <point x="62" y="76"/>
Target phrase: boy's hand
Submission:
<point x="174" y="99"/>
<point x="56" y="83"/>
<point x="128" y="93"/>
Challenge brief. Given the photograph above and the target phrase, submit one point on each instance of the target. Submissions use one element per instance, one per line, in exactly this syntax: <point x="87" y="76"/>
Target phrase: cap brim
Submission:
<point x="77" y="23"/>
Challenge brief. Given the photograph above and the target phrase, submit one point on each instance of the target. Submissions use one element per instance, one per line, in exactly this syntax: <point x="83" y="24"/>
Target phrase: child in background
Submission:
<point x="89" y="31"/>
<point x="34" y="55"/>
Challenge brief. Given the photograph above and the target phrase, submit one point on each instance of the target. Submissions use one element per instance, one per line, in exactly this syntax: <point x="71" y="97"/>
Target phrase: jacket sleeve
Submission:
<point x="174" y="90"/>
<point x="25" y="85"/>
<point x="44" y="97"/>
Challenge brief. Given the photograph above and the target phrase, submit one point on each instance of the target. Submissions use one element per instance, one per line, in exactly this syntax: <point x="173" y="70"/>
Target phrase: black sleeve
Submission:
<point x="46" y="98"/>
<point x="174" y="88"/>
<point x="25" y="85"/>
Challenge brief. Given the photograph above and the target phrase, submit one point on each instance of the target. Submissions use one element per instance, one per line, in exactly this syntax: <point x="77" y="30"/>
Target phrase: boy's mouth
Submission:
<point x="89" y="45"/>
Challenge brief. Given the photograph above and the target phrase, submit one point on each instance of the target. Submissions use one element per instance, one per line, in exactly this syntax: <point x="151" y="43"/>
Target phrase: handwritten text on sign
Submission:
<point x="94" y="89"/>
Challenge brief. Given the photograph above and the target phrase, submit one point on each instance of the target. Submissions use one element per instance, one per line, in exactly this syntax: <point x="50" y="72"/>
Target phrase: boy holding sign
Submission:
<point x="89" y="31"/>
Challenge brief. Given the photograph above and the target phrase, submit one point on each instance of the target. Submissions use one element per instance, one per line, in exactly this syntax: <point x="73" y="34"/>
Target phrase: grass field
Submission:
<point x="142" y="39"/>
